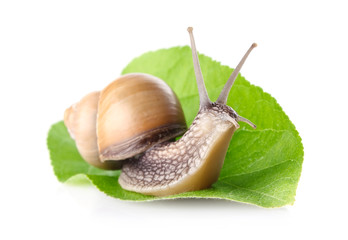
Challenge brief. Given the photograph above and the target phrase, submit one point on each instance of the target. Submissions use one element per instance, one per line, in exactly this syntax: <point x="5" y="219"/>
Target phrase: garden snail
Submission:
<point x="194" y="161"/>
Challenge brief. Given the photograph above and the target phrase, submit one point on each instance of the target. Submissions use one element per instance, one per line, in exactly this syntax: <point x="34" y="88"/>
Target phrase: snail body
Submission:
<point x="191" y="163"/>
<point x="195" y="160"/>
<point x="154" y="165"/>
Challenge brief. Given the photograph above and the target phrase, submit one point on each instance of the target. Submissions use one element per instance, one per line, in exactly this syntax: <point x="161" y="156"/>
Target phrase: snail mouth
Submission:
<point x="234" y="122"/>
<point x="140" y="143"/>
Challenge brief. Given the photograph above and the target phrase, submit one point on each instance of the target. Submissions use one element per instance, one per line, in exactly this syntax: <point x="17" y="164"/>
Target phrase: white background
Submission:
<point x="54" y="52"/>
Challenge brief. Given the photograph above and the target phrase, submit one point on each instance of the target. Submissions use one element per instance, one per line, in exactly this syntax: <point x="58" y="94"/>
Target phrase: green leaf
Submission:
<point x="262" y="166"/>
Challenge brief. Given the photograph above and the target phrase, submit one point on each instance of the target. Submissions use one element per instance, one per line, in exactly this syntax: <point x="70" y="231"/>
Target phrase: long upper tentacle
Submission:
<point x="226" y="90"/>
<point x="203" y="95"/>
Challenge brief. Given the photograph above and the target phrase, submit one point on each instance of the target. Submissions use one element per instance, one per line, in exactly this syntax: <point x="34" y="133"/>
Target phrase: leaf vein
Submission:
<point x="255" y="191"/>
<point x="259" y="170"/>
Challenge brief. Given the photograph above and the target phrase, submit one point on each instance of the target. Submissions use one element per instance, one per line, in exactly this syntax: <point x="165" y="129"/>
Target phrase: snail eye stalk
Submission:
<point x="203" y="95"/>
<point x="226" y="90"/>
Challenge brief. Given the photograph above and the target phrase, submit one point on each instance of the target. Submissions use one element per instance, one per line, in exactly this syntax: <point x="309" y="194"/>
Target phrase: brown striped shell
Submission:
<point x="130" y="115"/>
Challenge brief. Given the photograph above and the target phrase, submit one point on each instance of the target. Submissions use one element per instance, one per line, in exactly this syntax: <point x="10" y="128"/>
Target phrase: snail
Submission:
<point x="165" y="167"/>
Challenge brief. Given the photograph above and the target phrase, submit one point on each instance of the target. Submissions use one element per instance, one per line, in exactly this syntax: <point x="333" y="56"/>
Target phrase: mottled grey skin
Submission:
<point x="161" y="169"/>
<point x="193" y="162"/>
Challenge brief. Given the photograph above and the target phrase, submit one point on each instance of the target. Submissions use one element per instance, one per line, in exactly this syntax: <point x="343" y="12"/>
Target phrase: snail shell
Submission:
<point x="130" y="115"/>
<point x="135" y="112"/>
